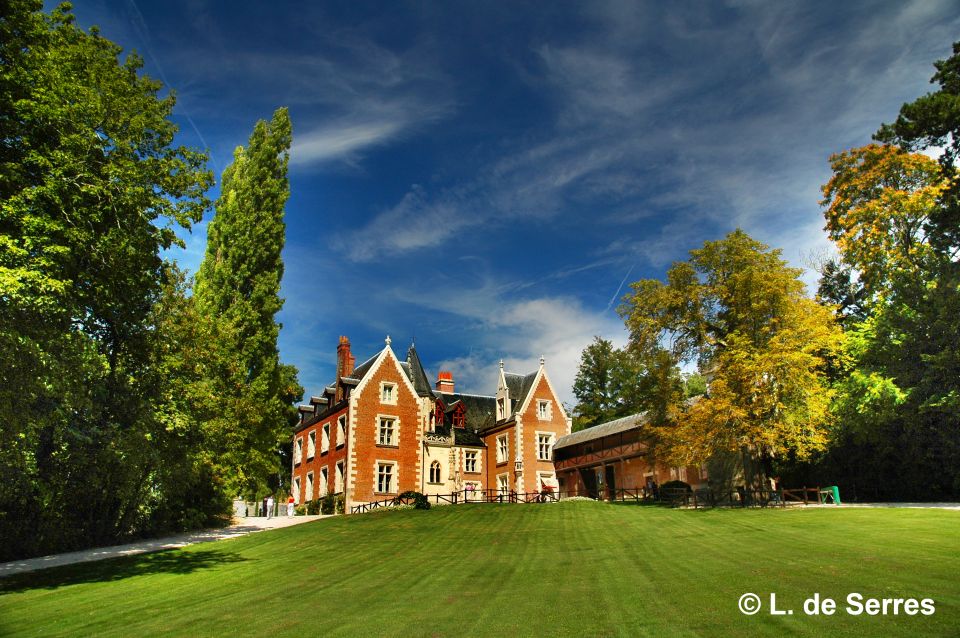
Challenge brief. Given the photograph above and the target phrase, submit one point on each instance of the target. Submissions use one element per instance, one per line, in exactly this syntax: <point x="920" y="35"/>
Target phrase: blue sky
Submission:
<point x="484" y="176"/>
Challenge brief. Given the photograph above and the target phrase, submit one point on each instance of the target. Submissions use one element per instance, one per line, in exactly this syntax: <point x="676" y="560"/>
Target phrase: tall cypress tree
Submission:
<point x="238" y="290"/>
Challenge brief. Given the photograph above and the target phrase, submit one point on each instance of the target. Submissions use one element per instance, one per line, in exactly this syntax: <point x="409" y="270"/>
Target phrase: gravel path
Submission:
<point x="246" y="526"/>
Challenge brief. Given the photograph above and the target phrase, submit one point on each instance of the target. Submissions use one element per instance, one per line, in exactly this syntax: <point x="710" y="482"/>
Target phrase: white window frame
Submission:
<point x="311" y="444"/>
<point x="503" y="449"/>
<point x="552" y="440"/>
<point x="388" y="392"/>
<point x="325" y="439"/>
<point x="296" y="488"/>
<point x="544" y="409"/>
<point x="324" y="480"/>
<point x="341" y="430"/>
<point x="503" y="483"/>
<point x="340" y="479"/>
<point x="682" y="473"/>
<point x="439" y="478"/>
<point x="394" y="430"/>
<point x="476" y="461"/>
<point x="298" y="451"/>
<point x="394" y="476"/>
<point x="310" y="488"/>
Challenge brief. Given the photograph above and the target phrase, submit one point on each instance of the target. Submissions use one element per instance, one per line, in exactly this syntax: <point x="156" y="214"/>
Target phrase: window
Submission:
<point x="673" y="473"/>
<point x="387" y="436"/>
<point x="544" y="446"/>
<point x="703" y="472"/>
<point x="338" y="485"/>
<point x="500" y="413"/>
<point x="470" y="462"/>
<point x="435" y="472"/>
<point x="341" y="431"/>
<point x="683" y="474"/>
<point x="312" y="444"/>
<point x="502" y="483"/>
<point x="543" y="410"/>
<point x="296" y="489"/>
<point x="388" y="393"/>
<point x="325" y="439"/>
<point x="459" y="416"/>
<point x="502" y="449"/>
<point x="298" y="451"/>
<point x="309" y="496"/>
<point x="385" y="475"/>
<point x="324" y="478"/>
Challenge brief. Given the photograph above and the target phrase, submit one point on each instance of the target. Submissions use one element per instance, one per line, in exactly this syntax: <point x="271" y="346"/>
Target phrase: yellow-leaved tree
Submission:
<point x="737" y="309"/>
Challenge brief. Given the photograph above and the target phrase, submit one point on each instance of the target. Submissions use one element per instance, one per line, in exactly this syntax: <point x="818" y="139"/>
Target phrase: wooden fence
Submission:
<point x="673" y="497"/>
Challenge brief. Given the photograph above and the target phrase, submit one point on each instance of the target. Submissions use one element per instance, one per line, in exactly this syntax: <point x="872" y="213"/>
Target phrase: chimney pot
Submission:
<point x="445" y="382"/>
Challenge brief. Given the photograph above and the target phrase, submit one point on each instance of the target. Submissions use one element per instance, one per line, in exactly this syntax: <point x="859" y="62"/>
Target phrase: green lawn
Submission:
<point x="569" y="569"/>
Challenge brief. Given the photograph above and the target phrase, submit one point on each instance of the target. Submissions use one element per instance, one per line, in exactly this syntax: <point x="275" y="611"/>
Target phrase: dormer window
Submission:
<point x="438" y="413"/>
<point x="459" y="416"/>
<point x="501" y="414"/>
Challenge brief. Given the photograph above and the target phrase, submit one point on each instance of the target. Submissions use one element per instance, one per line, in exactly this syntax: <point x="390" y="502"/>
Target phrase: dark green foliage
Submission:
<point x="613" y="383"/>
<point x="95" y="436"/>
<point x="313" y="507"/>
<point x="676" y="485"/>
<point x="420" y="501"/>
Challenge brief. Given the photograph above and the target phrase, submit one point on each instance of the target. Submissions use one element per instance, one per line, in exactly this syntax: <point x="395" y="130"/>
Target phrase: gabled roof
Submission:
<point x="617" y="426"/>
<point x="519" y="386"/>
<point x="361" y="370"/>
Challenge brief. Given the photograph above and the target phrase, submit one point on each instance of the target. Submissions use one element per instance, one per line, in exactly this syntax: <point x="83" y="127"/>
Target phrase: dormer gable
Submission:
<point x="503" y="396"/>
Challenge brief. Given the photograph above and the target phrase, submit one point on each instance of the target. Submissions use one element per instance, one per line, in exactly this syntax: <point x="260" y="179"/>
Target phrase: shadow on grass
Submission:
<point x="173" y="561"/>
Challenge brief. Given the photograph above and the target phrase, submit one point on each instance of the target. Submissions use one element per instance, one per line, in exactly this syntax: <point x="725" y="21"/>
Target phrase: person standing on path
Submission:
<point x="264" y="508"/>
<point x="290" y="506"/>
<point x="270" y="506"/>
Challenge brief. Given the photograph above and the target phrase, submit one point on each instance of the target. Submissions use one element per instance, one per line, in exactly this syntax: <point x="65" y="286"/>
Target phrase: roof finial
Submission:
<point x="541" y="361"/>
<point x="501" y="364"/>
<point x="387" y="341"/>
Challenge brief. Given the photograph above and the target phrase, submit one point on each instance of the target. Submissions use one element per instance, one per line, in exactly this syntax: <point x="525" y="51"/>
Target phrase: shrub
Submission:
<point x="299" y="510"/>
<point x="327" y="504"/>
<point x="338" y="502"/>
<point x="313" y="507"/>
<point x="676" y="485"/>
<point x="420" y="501"/>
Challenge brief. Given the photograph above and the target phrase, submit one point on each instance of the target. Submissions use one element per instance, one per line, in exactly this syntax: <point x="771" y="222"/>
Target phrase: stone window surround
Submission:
<point x="553" y="441"/>
<point x="392" y="400"/>
<point x="394" y="476"/>
<point x="505" y="458"/>
<point x="396" y="430"/>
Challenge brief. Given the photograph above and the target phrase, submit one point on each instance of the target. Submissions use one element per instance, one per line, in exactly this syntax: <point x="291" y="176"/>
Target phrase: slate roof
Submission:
<point x="480" y="410"/>
<point x="519" y="387"/>
<point x="604" y="429"/>
<point x="416" y="374"/>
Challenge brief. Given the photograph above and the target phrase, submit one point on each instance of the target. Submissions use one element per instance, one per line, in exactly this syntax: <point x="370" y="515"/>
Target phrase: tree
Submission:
<point x="238" y="287"/>
<point x="933" y="121"/>
<point x="91" y="190"/>
<point x="740" y="311"/>
<point x="612" y="383"/>
<point x="899" y="399"/>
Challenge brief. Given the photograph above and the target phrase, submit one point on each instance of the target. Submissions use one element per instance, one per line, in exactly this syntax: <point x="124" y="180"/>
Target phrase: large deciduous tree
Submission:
<point x="92" y="188"/>
<point x="738" y="310"/>
<point x="900" y="398"/>
<point x="238" y="287"/>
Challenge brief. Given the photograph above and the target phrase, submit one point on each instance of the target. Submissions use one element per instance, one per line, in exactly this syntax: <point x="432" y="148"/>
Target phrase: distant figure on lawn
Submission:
<point x="290" y="506"/>
<point x="263" y="508"/>
<point x="270" y="506"/>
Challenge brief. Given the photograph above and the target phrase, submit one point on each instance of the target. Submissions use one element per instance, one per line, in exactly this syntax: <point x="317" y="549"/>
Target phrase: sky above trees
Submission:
<point x="487" y="178"/>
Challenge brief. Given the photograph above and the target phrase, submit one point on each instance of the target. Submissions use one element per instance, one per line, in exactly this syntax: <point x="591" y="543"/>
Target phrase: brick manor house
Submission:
<point x="381" y="429"/>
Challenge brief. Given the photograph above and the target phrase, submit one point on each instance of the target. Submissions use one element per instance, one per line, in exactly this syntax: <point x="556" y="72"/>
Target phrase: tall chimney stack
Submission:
<point x="345" y="361"/>
<point x="445" y="382"/>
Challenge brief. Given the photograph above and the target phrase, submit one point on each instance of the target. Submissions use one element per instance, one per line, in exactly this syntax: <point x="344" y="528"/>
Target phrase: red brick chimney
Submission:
<point x="345" y="361"/>
<point x="445" y="382"/>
